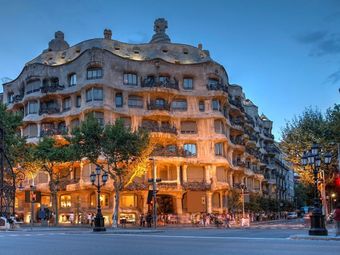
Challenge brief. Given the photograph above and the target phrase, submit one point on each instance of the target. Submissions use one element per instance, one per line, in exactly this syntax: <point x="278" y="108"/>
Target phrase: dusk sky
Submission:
<point x="285" y="54"/>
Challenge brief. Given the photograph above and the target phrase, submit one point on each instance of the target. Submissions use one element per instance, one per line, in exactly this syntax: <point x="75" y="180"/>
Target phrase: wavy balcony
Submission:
<point x="217" y="87"/>
<point x="153" y="82"/>
<point x="155" y="105"/>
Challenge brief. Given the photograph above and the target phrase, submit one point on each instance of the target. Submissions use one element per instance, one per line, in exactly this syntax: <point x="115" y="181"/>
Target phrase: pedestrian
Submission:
<point x="227" y="220"/>
<point x="92" y="219"/>
<point x="89" y="219"/>
<point x="142" y="220"/>
<point x="149" y="220"/>
<point x="71" y="217"/>
<point x="204" y="219"/>
<point x="337" y="219"/>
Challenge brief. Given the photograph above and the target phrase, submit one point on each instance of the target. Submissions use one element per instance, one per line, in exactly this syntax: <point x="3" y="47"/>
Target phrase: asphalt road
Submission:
<point x="256" y="240"/>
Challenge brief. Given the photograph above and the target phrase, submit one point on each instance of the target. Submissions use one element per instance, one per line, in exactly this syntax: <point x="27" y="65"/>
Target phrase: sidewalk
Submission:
<point x="331" y="237"/>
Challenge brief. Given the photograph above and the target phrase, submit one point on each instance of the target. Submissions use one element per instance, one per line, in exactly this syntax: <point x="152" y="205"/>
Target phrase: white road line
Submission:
<point x="196" y="237"/>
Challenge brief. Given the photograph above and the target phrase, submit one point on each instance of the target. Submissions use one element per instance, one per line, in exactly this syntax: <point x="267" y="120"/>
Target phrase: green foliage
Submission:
<point x="234" y="201"/>
<point x="311" y="126"/>
<point x="15" y="145"/>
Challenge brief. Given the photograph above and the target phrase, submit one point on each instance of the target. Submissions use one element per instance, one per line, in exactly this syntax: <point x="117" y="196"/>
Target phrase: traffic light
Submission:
<point x="337" y="181"/>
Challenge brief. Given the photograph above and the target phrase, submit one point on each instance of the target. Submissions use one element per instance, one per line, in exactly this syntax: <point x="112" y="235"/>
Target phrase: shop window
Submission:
<point x="65" y="201"/>
<point x="129" y="201"/>
<point x="216" y="200"/>
<point x="104" y="200"/>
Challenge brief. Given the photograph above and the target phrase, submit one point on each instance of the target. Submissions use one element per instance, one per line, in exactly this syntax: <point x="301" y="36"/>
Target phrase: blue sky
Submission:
<point x="285" y="54"/>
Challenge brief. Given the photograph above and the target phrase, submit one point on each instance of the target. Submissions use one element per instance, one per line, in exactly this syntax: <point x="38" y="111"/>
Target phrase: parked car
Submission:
<point x="292" y="215"/>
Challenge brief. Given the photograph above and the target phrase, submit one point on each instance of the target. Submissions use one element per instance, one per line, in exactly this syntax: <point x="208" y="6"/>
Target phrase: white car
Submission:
<point x="292" y="215"/>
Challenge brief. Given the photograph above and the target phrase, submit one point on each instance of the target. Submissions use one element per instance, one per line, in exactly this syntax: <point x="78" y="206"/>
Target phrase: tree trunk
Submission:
<point x="55" y="207"/>
<point x="116" y="209"/>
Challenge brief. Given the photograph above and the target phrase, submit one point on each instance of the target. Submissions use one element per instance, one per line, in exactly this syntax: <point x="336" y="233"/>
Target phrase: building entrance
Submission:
<point x="165" y="204"/>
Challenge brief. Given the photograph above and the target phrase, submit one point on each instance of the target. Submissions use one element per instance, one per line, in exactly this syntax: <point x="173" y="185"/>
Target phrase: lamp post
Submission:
<point x="99" y="219"/>
<point x="313" y="159"/>
<point x="154" y="180"/>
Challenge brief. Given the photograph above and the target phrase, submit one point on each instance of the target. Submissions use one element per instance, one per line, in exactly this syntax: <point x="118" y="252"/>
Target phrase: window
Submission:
<point x="104" y="200"/>
<point x="10" y="97"/>
<point x="130" y="79"/>
<point x="187" y="83"/>
<point x="135" y="102"/>
<point x="129" y="201"/>
<point x="219" y="149"/>
<point x="190" y="149"/>
<point x="78" y="101"/>
<point x="195" y="173"/>
<point x="94" y="73"/>
<point x="126" y="122"/>
<point x="201" y="106"/>
<point x="32" y="86"/>
<point x="72" y="80"/>
<point x="94" y="94"/>
<point x="167" y="173"/>
<point x="212" y="82"/>
<point x="67" y="104"/>
<point x="164" y="79"/>
<point x="119" y="100"/>
<point x="216" y="106"/>
<point x="31" y="107"/>
<point x="65" y="201"/>
<point x="221" y="174"/>
<point x="31" y="130"/>
<point x="75" y="123"/>
<point x="179" y="104"/>
<point x="215" y="200"/>
<point x="219" y="127"/>
<point x="46" y="201"/>
<point x="100" y="117"/>
<point x="188" y="127"/>
<point x="160" y="102"/>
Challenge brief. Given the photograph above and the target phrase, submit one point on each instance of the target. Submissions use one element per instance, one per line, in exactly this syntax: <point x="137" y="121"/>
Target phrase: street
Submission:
<point x="262" y="240"/>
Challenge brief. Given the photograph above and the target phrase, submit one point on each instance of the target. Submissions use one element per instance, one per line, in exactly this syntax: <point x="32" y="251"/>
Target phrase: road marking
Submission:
<point x="198" y="237"/>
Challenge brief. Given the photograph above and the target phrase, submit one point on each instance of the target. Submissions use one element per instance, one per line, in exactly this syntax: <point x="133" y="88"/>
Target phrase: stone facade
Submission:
<point x="210" y="137"/>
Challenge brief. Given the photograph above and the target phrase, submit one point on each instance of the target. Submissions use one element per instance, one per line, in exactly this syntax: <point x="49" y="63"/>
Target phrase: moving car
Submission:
<point x="292" y="215"/>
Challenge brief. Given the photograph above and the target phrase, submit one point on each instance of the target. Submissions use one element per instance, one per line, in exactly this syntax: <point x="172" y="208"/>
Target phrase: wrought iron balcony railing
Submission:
<point x="154" y="82"/>
<point x="217" y="86"/>
<point x="157" y="106"/>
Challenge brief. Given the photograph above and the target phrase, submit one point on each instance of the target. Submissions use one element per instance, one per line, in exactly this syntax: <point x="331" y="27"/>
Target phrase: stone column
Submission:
<point x="185" y="177"/>
<point x="207" y="174"/>
<point x="39" y="129"/>
<point x="81" y="171"/>
<point x="209" y="202"/>
<point x="179" y="208"/>
<point x="221" y="200"/>
<point x="178" y="175"/>
<point x="231" y="179"/>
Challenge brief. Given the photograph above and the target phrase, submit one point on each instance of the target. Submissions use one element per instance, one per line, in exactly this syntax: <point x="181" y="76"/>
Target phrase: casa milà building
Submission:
<point x="210" y="137"/>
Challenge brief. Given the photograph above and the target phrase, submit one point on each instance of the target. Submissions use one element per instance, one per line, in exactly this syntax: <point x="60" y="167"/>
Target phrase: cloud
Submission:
<point x="334" y="77"/>
<point x="321" y="42"/>
<point x="312" y="37"/>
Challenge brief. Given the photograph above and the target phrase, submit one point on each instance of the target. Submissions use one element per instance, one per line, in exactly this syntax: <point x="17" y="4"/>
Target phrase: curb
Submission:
<point x="319" y="238"/>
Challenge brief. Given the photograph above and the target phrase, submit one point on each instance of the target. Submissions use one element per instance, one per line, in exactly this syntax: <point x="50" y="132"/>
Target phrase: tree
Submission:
<point x="300" y="133"/>
<point x="12" y="148"/>
<point x="124" y="152"/>
<point x="234" y="201"/>
<point x="55" y="158"/>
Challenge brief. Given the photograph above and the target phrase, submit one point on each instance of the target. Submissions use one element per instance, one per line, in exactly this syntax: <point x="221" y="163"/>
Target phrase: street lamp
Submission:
<point x="154" y="180"/>
<point x="313" y="159"/>
<point x="99" y="219"/>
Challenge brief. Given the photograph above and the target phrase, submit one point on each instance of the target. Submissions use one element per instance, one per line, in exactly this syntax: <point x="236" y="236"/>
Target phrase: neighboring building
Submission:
<point x="210" y="138"/>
